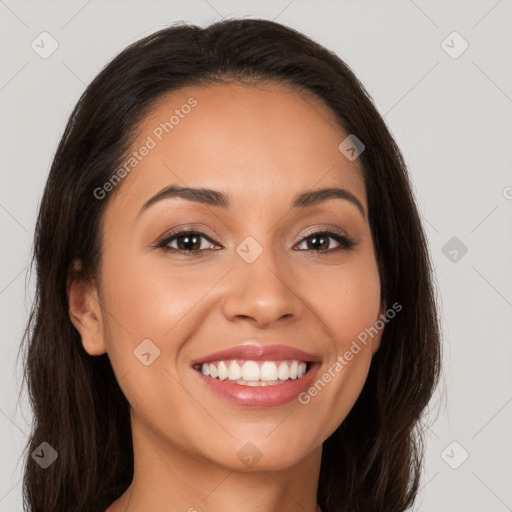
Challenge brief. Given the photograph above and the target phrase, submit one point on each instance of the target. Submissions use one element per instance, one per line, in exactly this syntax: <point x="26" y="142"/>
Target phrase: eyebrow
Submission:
<point x="212" y="197"/>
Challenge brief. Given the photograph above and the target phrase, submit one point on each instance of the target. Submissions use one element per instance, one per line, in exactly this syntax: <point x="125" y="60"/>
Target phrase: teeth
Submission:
<point x="234" y="372"/>
<point x="250" y="370"/>
<point x="268" y="371"/>
<point x="223" y="371"/>
<point x="283" y="371"/>
<point x="258" y="383"/>
<point x="250" y="373"/>
<point x="213" y="371"/>
<point x="294" y="370"/>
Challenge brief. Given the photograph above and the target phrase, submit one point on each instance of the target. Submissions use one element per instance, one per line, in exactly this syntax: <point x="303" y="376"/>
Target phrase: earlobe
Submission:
<point x="85" y="312"/>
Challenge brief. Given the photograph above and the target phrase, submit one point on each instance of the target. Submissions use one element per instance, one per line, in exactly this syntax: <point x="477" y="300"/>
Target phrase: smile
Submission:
<point x="260" y="384"/>
<point x="254" y="373"/>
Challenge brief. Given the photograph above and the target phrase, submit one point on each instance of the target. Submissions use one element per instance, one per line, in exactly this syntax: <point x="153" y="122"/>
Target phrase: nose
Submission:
<point x="262" y="291"/>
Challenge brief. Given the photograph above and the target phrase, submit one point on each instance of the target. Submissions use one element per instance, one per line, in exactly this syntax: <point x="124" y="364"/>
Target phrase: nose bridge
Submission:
<point x="260" y="286"/>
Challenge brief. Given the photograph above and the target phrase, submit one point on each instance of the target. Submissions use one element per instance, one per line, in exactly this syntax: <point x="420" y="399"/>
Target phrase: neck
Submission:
<point x="167" y="478"/>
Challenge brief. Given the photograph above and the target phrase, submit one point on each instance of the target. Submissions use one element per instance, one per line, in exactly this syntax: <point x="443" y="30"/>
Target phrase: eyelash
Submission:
<point x="345" y="242"/>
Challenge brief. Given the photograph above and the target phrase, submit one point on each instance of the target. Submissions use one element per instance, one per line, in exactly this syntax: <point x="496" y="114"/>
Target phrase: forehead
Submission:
<point x="264" y="142"/>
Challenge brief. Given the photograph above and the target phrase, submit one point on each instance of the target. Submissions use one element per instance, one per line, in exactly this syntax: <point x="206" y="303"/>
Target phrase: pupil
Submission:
<point x="314" y="242"/>
<point x="189" y="242"/>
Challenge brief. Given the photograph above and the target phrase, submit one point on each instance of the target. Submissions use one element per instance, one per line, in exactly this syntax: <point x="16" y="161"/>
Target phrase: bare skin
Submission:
<point x="261" y="146"/>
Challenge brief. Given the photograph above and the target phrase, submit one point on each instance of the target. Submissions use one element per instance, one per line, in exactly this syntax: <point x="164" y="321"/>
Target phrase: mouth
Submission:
<point x="255" y="373"/>
<point x="257" y="384"/>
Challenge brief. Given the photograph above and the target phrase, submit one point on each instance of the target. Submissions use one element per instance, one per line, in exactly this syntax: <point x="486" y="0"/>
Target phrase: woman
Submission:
<point x="235" y="306"/>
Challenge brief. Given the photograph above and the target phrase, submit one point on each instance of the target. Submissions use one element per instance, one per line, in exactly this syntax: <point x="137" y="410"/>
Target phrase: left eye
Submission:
<point x="320" y="241"/>
<point x="190" y="242"/>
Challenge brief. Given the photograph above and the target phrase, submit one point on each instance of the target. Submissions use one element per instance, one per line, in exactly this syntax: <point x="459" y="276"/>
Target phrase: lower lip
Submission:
<point x="266" y="396"/>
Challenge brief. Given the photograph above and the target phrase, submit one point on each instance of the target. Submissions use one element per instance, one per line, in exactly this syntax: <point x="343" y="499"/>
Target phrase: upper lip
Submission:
<point x="256" y="352"/>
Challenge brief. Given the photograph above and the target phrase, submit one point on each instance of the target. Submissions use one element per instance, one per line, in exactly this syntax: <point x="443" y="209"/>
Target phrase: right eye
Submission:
<point x="186" y="242"/>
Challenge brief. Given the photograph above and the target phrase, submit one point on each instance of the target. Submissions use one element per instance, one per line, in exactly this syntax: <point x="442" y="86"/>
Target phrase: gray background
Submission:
<point x="450" y="116"/>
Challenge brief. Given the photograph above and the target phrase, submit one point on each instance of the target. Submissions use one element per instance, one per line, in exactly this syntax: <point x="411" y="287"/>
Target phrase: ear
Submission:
<point x="380" y="318"/>
<point x="85" y="311"/>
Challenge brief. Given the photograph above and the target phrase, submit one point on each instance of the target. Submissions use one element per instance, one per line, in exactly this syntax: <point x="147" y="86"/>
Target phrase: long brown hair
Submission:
<point x="373" y="461"/>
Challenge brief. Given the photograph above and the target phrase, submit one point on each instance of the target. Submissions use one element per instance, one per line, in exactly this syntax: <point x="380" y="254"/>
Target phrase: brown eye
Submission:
<point x="187" y="242"/>
<point x="321" y="241"/>
<point x="194" y="242"/>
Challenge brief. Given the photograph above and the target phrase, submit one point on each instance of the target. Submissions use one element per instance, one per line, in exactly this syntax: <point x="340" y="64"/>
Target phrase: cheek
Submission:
<point x="148" y="298"/>
<point x="356" y="309"/>
<point x="348" y="299"/>
<point x="349" y="307"/>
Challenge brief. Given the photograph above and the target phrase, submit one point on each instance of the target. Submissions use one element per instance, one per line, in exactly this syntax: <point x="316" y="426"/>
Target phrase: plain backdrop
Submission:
<point x="449" y="108"/>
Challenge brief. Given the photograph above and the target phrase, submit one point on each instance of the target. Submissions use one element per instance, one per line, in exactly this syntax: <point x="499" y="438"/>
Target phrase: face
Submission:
<point x="258" y="271"/>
